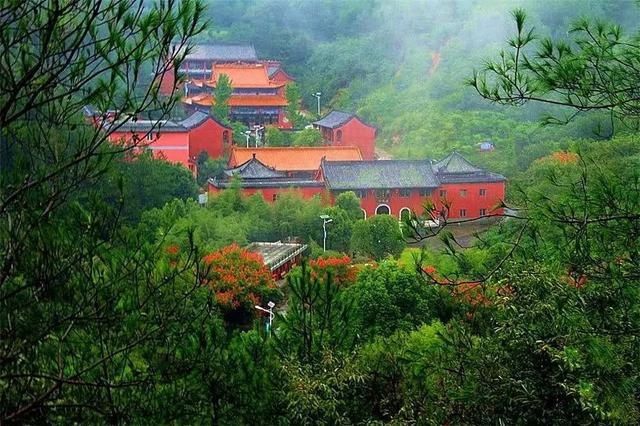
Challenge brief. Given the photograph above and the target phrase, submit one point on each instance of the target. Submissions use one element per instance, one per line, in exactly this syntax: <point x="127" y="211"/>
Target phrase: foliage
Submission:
<point x="317" y="319"/>
<point x="293" y="96"/>
<point x="210" y="168"/>
<point x="146" y="183"/>
<point x="323" y="392"/>
<point x="307" y="137"/>
<point x="596" y="70"/>
<point x="388" y="299"/>
<point x="276" y="137"/>
<point x="377" y="237"/>
<point x="222" y="93"/>
<point x="240" y="281"/>
<point x="350" y="203"/>
<point x="90" y="314"/>
<point x="342" y="272"/>
<point x="338" y="230"/>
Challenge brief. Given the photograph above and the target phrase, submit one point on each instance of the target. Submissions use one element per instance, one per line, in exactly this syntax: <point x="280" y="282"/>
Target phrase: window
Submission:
<point x="425" y="192"/>
<point x="382" y="194"/>
<point x="405" y="193"/>
<point x="463" y="193"/>
<point x="150" y="136"/>
<point x="483" y="212"/>
<point x="443" y="193"/>
<point x="463" y="213"/>
<point x="225" y="137"/>
<point x="483" y="192"/>
<point x="274" y="197"/>
<point x="339" y="136"/>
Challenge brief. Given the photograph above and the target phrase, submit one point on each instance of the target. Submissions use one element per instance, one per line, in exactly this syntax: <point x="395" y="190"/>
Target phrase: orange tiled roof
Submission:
<point x="239" y="101"/>
<point x="244" y="75"/>
<point x="294" y="158"/>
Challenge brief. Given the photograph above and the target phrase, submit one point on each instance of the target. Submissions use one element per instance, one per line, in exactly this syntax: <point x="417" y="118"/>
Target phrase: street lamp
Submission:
<point x="271" y="305"/>
<point x="325" y="219"/>
<point x="317" y="95"/>
<point x="247" y="134"/>
<point x="258" y="128"/>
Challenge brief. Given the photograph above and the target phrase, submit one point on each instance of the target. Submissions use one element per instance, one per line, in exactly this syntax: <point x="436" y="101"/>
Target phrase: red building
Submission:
<point x="279" y="257"/>
<point x="258" y="98"/>
<point x="469" y="191"/>
<point x="175" y="141"/>
<point x="458" y="189"/>
<point x="199" y="62"/>
<point x="294" y="161"/>
<point x="257" y="177"/>
<point x="344" y="129"/>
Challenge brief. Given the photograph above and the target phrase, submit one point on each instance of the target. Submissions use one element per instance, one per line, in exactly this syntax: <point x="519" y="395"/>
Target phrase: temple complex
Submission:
<point x="458" y="189"/>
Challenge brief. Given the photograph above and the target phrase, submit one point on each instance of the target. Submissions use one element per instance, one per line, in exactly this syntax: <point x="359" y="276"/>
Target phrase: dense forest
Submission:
<point x="123" y="300"/>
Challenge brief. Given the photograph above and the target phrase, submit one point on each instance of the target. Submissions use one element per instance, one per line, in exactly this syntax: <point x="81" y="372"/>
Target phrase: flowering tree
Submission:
<point x="240" y="280"/>
<point x="340" y="268"/>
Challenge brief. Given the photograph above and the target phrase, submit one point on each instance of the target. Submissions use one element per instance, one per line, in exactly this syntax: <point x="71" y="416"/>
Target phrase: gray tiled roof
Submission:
<point x="269" y="183"/>
<point x="254" y="169"/>
<point x="223" y="52"/>
<point x="381" y="174"/>
<point x="272" y="68"/>
<point x="167" y="126"/>
<point x="455" y="163"/>
<point x="334" y="119"/>
<point x="194" y="120"/>
<point x="454" y="168"/>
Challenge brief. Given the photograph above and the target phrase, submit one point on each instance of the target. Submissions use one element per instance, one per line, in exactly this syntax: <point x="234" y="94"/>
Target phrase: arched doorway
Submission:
<point x="364" y="214"/>
<point x="405" y="213"/>
<point x="383" y="209"/>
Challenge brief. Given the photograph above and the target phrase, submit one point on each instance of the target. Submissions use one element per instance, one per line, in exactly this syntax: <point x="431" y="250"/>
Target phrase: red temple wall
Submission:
<point x="395" y="202"/>
<point x="209" y="137"/>
<point x="172" y="147"/>
<point x="356" y="133"/>
<point x="472" y="202"/>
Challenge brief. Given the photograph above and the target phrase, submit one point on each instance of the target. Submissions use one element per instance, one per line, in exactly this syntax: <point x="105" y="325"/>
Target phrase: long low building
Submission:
<point x="279" y="257"/>
<point x="457" y="188"/>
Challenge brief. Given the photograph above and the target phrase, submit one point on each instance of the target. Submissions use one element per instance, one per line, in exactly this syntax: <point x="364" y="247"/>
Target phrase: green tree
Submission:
<point x="293" y="96"/>
<point x="596" y="70"/>
<point x="307" y="137"/>
<point x="388" y="299"/>
<point x="276" y="137"/>
<point x="209" y="168"/>
<point x="85" y="305"/>
<point x="377" y="237"/>
<point x="339" y="230"/>
<point x="350" y="203"/>
<point x="146" y="183"/>
<point x="221" y="95"/>
<point x="318" y="317"/>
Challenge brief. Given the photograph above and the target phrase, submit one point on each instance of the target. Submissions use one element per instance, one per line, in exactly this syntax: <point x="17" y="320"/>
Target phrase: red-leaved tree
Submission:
<point x="240" y="280"/>
<point x="341" y="270"/>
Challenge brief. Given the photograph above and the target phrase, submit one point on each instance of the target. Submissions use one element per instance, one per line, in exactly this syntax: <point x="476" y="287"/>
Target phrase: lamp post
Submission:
<point x="325" y="219"/>
<point x="258" y="128"/>
<point x="271" y="305"/>
<point x="247" y="135"/>
<point x="317" y="95"/>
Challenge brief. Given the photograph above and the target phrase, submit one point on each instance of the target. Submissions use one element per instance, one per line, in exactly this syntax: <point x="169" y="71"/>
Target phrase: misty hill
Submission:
<point x="403" y="65"/>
